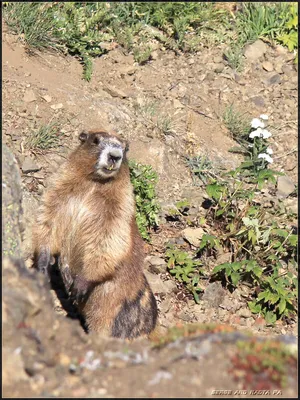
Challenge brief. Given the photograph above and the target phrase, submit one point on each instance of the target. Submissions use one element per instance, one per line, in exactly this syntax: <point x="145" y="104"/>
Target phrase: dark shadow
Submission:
<point x="57" y="284"/>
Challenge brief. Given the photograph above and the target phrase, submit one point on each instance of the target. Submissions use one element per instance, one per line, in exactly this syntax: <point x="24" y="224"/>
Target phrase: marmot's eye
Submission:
<point x="96" y="140"/>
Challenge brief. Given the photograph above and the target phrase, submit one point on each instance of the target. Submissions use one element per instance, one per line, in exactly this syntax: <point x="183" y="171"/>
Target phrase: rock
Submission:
<point x="185" y="316"/>
<point x="29" y="165"/>
<point x="223" y="258"/>
<point x="170" y="286"/>
<point x="214" y="294"/>
<point x="57" y="106"/>
<point x="273" y="80"/>
<point x="285" y="186"/>
<point x="288" y="70"/>
<point x="268" y="66"/>
<point x="218" y="67"/>
<point x="114" y="92"/>
<point x="156" y="264"/>
<point x="177" y="104"/>
<point x="292" y="205"/>
<point x="255" y="50"/>
<point x="193" y="235"/>
<point x="12" y="211"/>
<point x="244" y="312"/>
<point x="29" y="96"/>
<point x="218" y="59"/>
<point x="13" y="372"/>
<point x="47" y="98"/>
<point x="258" y="101"/>
<point x="165" y="305"/>
<point x="156" y="284"/>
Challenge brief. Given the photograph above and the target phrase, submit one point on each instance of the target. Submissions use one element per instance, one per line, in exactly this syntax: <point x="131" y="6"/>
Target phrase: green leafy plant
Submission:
<point x="144" y="179"/>
<point x="201" y="168"/>
<point x="289" y="34"/>
<point x="181" y="209"/>
<point x="185" y="269"/>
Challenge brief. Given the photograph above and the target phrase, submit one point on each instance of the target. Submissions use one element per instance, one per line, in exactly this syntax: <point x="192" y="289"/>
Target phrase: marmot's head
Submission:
<point x="107" y="150"/>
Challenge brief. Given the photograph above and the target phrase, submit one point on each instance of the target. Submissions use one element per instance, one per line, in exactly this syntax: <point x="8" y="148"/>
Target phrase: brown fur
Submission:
<point x="90" y="222"/>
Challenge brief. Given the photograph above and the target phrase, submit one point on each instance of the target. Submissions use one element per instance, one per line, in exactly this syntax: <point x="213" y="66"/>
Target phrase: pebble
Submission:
<point x="47" y="98"/>
<point x="193" y="235"/>
<point x="244" y="312"/>
<point x="29" y="96"/>
<point x="255" y="50"/>
<point x="29" y="165"/>
<point x="285" y="186"/>
<point x="272" y="80"/>
<point x="57" y="106"/>
<point x="218" y="67"/>
<point x="268" y="66"/>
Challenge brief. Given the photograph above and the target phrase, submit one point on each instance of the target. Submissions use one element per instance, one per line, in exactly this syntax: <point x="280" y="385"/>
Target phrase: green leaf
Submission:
<point x="220" y="267"/>
<point x="235" y="277"/>
<point x="282" y="306"/>
<point x="254" y="307"/>
<point x="270" y="317"/>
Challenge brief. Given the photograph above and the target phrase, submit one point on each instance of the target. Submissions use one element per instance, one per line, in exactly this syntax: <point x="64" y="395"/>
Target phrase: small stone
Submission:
<point x="285" y="186"/>
<point x="185" y="316"/>
<point x="64" y="359"/>
<point x="292" y="205"/>
<point x="156" y="264"/>
<point x="114" y="92"/>
<point x="255" y="50"/>
<point x="273" y="80"/>
<point x="191" y="61"/>
<point x="288" y="70"/>
<point x="57" y="106"/>
<point x="214" y="294"/>
<point x="267" y="66"/>
<point x="156" y="284"/>
<point x="258" y="101"/>
<point x="29" y="96"/>
<point x="193" y="235"/>
<point x="218" y="67"/>
<point x="29" y="165"/>
<point x="218" y="59"/>
<point x="47" y="98"/>
<point x="177" y="104"/>
<point x="165" y="305"/>
<point x="244" y="312"/>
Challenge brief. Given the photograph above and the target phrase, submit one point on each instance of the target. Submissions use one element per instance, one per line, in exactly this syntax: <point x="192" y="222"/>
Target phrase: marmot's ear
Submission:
<point x="83" y="137"/>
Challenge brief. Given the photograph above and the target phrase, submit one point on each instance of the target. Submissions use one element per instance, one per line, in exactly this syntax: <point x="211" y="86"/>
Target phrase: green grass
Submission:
<point x="236" y="122"/>
<point x="81" y="28"/>
<point x="45" y="137"/>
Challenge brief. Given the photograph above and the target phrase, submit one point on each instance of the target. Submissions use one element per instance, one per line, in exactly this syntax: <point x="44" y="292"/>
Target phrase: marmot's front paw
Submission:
<point x="80" y="288"/>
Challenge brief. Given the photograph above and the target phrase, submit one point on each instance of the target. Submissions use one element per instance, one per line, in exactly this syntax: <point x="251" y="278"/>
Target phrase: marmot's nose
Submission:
<point x="114" y="156"/>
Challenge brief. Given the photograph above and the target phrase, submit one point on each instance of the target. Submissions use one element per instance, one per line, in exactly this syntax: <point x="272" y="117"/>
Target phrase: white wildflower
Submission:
<point x="266" y="134"/>
<point x="264" y="117"/>
<point x="266" y="157"/>
<point x="269" y="150"/>
<point x="250" y="145"/>
<point x="257" y="123"/>
<point x="256" y="133"/>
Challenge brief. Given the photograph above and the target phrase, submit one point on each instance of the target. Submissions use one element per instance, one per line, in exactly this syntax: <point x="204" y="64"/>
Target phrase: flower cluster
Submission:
<point x="258" y="130"/>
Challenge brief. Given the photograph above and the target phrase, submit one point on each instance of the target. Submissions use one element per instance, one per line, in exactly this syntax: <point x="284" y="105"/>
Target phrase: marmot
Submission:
<point x="87" y="218"/>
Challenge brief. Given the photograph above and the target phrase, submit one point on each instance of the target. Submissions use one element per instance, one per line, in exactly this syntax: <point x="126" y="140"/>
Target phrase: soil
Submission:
<point x="189" y="98"/>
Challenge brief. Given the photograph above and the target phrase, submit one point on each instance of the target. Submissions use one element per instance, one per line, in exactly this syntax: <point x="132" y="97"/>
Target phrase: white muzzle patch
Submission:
<point x="110" y="160"/>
